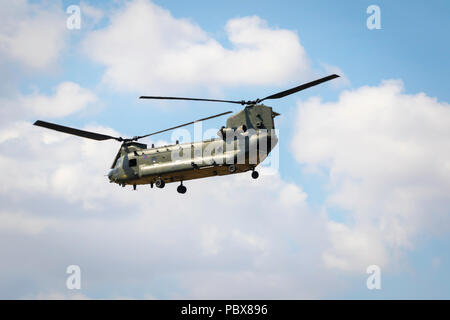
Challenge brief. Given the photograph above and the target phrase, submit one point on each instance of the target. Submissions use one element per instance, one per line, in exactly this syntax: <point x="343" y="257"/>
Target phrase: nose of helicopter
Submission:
<point x="111" y="175"/>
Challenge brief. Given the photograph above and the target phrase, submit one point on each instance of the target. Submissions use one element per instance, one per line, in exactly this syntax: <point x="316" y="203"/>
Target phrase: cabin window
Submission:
<point x="132" y="163"/>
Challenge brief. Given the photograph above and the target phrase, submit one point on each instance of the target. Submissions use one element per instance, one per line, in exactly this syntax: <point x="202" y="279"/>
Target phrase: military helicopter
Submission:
<point x="244" y="142"/>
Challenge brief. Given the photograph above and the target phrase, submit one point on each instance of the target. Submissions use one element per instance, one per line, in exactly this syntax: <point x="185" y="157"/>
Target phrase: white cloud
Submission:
<point x="89" y="14"/>
<point x="23" y="224"/>
<point x="387" y="156"/>
<point x="64" y="173"/>
<point x="210" y="239"/>
<point x="292" y="195"/>
<point x="354" y="248"/>
<point x="32" y="34"/>
<point x="68" y="98"/>
<point x="145" y="47"/>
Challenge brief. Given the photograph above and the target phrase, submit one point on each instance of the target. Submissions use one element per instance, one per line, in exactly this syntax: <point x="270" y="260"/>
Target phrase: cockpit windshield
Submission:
<point x="119" y="162"/>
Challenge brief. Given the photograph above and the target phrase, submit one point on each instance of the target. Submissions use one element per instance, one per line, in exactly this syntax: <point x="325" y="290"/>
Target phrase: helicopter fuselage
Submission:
<point x="181" y="162"/>
<point x="247" y="139"/>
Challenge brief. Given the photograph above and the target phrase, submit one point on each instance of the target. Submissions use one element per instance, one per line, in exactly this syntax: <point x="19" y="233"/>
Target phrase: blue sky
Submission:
<point x="364" y="168"/>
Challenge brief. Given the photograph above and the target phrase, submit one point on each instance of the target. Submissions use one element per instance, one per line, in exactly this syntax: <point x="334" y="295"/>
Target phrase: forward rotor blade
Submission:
<point x="76" y="132"/>
<point x="182" y="125"/>
<point x="300" y="88"/>
<point x="191" y="99"/>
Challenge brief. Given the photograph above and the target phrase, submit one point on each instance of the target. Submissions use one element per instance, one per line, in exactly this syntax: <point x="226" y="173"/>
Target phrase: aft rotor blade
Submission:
<point x="300" y="88"/>
<point x="191" y="99"/>
<point x="182" y="125"/>
<point x="76" y="132"/>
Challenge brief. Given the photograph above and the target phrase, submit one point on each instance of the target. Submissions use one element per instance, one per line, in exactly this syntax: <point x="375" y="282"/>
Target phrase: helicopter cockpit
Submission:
<point x="113" y="174"/>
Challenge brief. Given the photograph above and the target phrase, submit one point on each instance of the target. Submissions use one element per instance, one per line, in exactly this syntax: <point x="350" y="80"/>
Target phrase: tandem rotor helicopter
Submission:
<point x="238" y="148"/>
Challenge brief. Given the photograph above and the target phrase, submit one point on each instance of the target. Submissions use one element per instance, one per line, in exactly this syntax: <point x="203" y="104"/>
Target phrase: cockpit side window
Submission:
<point x="132" y="163"/>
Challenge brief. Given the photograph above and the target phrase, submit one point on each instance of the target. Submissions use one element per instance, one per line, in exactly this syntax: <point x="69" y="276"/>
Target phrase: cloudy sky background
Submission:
<point x="364" y="161"/>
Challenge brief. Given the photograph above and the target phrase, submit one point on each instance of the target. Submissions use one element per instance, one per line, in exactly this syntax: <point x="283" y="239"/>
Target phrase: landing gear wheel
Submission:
<point x="255" y="174"/>
<point x="232" y="168"/>
<point x="160" y="183"/>
<point x="181" y="189"/>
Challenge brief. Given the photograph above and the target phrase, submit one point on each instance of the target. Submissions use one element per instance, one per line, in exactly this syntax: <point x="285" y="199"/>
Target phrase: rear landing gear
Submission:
<point x="160" y="183"/>
<point x="232" y="168"/>
<point x="181" y="189"/>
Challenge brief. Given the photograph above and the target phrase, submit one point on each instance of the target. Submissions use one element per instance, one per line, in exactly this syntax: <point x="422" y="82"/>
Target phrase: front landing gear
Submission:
<point x="181" y="189"/>
<point x="255" y="174"/>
